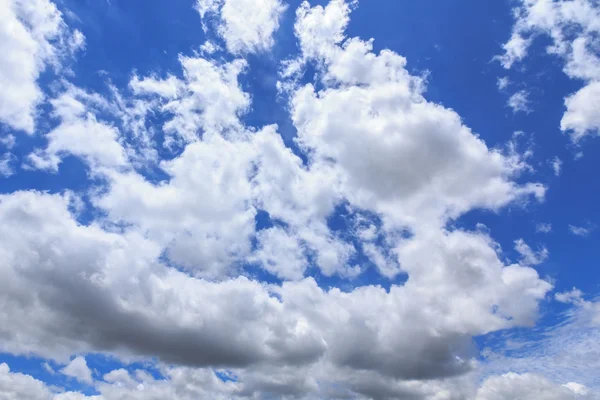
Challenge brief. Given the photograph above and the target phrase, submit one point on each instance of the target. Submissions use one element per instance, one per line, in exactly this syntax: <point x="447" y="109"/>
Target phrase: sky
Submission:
<point x="276" y="199"/>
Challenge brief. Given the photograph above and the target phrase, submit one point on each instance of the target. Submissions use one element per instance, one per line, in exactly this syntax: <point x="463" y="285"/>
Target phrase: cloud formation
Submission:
<point x="33" y="37"/>
<point x="573" y="28"/>
<point x="163" y="266"/>
<point x="247" y="26"/>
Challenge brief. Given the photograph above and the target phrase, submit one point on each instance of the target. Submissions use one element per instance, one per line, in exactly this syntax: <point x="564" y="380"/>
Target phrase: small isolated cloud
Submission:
<point x="581" y="230"/>
<point x="574" y="296"/>
<point x="543" y="227"/>
<point x="515" y="50"/>
<point x="6" y="167"/>
<point x="503" y="83"/>
<point x="8" y="141"/>
<point x="528" y="255"/>
<point x="556" y="164"/>
<point x="48" y="368"/>
<point x="79" y="370"/>
<point x="519" y="102"/>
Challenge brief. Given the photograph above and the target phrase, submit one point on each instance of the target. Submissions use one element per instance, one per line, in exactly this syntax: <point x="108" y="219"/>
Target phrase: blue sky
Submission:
<point x="267" y="199"/>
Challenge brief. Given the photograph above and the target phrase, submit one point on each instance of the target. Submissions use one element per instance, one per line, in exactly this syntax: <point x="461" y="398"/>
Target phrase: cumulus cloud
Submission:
<point x="519" y="102"/>
<point x="101" y="291"/>
<point x="574" y="296"/>
<point x="79" y="370"/>
<point x="164" y="267"/>
<point x="247" y="26"/>
<point x="33" y="36"/>
<point x="277" y="249"/>
<point x="394" y="151"/>
<point x="181" y="383"/>
<point x="573" y="28"/>
<point x="15" y="386"/>
<point x="208" y="101"/>
<point x="78" y="128"/>
<point x="84" y="296"/>
<point x="206" y="235"/>
<point x="581" y="117"/>
<point x="206" y="106"/>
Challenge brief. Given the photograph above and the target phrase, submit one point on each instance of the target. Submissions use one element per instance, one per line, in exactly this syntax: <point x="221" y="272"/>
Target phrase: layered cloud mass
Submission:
<point x="165" y="235"/>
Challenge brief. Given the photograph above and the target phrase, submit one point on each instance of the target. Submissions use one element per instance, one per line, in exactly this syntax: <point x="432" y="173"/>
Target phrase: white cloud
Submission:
<point x="120" y="297"/>
<point x="33" y="36"/>
<point x="387" y="265"/>
<point x="574" y="296"/>
<point x="225" y="240"/>
<point x="573" y="27"/>
<point x="529" y="256"/>
<point x="182" y="383"/>
<point x="281" y="254"/>
<point x="565" y="352"/>
<point x="6" y="168"/>
<point x="206" y="235"/>
<point x="578" y="389"/>
<point x="80" y="134"/>
<point x="582" y="117"/>
<point x="179" y="384"/>
<point x="580" y="230"/>
<point x="556" y="164"/>
<point x="519" y="102"/>
<point x="79" y="370"/>
<point x="513" y="386"/>
<point x="208" y="100"/>
<point x="515" y="50"/>
<point x="396" y="153"/>
<point x="157" y="273"/>
<point x="503" y="83"/>
<point x="543" y="228"/>
<point x="15" y="386"/>
<point x="48" y="368"/>
<point x="8" y="141"/>
<point x="209" y="47"/>
<point x="169" y="88"/>
<point x="247" y="26"/>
